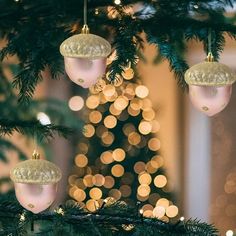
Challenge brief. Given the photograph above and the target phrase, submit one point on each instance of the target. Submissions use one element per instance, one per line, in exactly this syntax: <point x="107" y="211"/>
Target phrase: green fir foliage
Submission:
<point x="115" y="219"/>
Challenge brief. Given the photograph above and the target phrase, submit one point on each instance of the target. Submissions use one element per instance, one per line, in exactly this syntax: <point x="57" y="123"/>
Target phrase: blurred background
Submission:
<point x="144" y="142"/>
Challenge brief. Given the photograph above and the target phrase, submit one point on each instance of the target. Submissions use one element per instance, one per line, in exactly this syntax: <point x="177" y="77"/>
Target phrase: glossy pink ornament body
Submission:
<point x="85" y="57"/>
<point x="83" y="71"/>
<point x="35" y="183"/>
<point x="210" y="99"/>
<point x="35" y="197"/>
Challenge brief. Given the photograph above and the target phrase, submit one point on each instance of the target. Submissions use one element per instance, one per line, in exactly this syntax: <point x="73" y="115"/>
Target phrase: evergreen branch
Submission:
<point x="32" y="128"/>
<point x="7" y="145"/>
<point x="169" y="51"/>
<point x="126" y="40"/>
<point x="76" y="221"/>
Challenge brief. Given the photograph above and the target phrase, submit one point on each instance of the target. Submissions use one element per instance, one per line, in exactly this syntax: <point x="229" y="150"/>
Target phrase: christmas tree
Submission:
<point x="32" y="33"/>
<point x="117" y="157"/>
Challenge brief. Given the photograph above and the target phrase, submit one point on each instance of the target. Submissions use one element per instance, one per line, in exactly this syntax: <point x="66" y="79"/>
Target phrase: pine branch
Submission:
<point x="6" y="145"/>
<point x="32" y="128"/>
<point x="126" y="40"/>
<point x="71" y="219"/>
<point x="177" y="64"/>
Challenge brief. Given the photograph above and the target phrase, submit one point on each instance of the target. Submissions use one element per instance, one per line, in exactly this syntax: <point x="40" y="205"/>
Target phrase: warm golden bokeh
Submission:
<point x="111" y="108"/>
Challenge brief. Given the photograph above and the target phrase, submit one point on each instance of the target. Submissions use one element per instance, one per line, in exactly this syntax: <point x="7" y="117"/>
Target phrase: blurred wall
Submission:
<point x="167" y="102"/>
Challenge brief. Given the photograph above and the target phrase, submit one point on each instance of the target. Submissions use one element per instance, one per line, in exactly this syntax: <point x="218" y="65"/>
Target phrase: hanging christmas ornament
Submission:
<point x="85" y="55"/>
<point x="210" y="85"/>
<point x="35" y="183"/>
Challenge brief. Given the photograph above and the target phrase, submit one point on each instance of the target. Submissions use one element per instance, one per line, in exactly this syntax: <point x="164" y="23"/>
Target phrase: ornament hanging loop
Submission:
<point x="35" y="155"/>
<point x="85" y="29"/>
<point x="210" y="57"/>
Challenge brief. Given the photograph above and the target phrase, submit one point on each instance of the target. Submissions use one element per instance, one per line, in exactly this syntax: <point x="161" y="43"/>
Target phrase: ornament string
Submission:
<point x="209" y="40"/>
<point x="85" y="29"/>
<point x="210" y="57"/>
<point x="85" y="12"/>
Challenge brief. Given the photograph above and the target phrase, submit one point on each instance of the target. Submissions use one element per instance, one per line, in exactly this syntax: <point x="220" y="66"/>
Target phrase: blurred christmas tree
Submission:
<point x="117" y="157"/>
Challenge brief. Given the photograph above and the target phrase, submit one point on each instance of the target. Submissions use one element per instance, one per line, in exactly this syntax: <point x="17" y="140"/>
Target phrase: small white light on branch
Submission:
<point x="105" y="200"/>
<point x="59" y="211"/>
<point x="22" y="217"/>
<point x="229" y="233"/>
<point x="117" y="2"/>
<point x="141" y="211"/>
<point x="181" y="218"/>
<point x="43" y="118"/>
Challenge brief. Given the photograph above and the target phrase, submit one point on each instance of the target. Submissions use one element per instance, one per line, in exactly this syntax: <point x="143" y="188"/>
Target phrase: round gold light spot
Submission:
<point x="128" y="128"/>
<point x="118" y="154"/>
<point x="133" y="112"/>
<point x="134" y="138"/>
<point x="155" y="126"/>
<point x="76" y="103"/>
<point x="92" y="101"/>
<point x="109" y="182"/>
<point x="88" y="180"/>
<point x="146" y="104"/>
<point x="80" y="183"/>
<point x="114" y="111"/>
<point x="163" y="202"/>
<point x="145" y="178"/>
<point x="149" y="114"/>
<point x="108" y="138"/>
<point x="154" y="144"/>
<point x="117" y="170"/>
<point x="115" y="193"/>
<point x="110" y="121"/>
<point x="128" y="74"/>
<point x="159" y="212"/>
<point x="95" y="193"/>
<point x="160" y="181"/>
<point x="121" y="103"/>
<point x="136" y="104"/>
<point x="79" y="195"/>
<point x="172" y="211"/>
<point x="92" y="205"/>
<point x="88" y="130"/>
<point x="144" y="190"/>
<point x="125" y="190"/>
<point x="106" y="157"/>
<point x="145" y="127"/>
<point x="98" y="180"/>
<point x="141" y="91"/>
<point x="139" y="167"/>
<point x="95" y="117"/>
<point x="109" y="90"/>
<point x="100" y="130"/>
<point x="81" y="160"/>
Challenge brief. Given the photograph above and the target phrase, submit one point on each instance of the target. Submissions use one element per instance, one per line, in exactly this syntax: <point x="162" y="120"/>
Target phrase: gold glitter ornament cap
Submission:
<point x="210" y="73"/>
<point x="85" y="45"/>
<point x="35" y="171"/>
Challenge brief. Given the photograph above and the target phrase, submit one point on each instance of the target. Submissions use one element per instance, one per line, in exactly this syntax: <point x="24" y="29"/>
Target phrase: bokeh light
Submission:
<point x="81" y="160"/>
<point x="76" y="103"/>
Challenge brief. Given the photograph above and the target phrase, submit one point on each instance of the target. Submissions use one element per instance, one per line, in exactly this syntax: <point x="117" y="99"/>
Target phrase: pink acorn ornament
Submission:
<point x="35" y="183"/>
<point x="85" y="57"/>
<point x="210" y="85"/>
